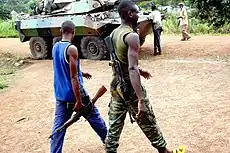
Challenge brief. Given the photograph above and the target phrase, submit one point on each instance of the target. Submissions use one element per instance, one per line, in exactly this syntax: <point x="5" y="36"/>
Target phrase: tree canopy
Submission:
<point x="6" y="6"/>
<point x="216" y="12"/>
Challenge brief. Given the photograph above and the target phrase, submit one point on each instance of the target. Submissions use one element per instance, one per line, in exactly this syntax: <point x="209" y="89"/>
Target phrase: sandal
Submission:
<point x="181" y="149"/>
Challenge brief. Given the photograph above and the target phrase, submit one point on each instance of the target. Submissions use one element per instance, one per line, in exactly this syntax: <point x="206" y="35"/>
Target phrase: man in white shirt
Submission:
<point x="155" y="16"/>
<point x="183" y="20"/>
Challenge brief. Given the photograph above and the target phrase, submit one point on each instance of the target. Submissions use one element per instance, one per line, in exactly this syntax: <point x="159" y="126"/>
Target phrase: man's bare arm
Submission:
<point x="145" y="74"/>
<point x="73" y="57"/>
<point x="133" y="43"/>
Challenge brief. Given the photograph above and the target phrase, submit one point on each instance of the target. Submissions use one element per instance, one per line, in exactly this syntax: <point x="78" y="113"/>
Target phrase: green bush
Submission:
<point x="195" y="26"/>
<point x="225" y="29"/>
<point x="2" y="84"/>
<point x="170" y="25"/>
<point x="7" y="29"/>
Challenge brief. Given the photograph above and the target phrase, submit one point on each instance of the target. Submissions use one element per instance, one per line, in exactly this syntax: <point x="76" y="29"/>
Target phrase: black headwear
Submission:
<point x="153" y="6"/>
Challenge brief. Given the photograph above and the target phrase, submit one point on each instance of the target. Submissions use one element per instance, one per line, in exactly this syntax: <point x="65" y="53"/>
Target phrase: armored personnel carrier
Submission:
<point x="94" y="20"/>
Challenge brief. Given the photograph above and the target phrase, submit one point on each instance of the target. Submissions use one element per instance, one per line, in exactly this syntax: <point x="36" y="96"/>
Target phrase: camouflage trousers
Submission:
<point x="117" y="114"/>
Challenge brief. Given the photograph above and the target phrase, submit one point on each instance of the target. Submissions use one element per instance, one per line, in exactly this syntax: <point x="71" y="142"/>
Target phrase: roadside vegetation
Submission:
<point x="2" y="84"/>
<point x="9" y="64"/>
<point x="7" y="29"/>
<point x="196" y="26"/>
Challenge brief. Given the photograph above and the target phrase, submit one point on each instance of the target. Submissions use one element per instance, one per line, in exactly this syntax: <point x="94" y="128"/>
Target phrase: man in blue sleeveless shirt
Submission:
<point x="69" y="89"/>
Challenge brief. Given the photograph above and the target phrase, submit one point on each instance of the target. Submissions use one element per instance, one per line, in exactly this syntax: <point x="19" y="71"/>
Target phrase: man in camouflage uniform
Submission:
<point x="126" y="44"/>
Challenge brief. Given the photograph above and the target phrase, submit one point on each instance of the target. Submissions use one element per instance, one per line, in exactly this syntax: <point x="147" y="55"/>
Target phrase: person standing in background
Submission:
<point x="155" y="16"/>
<point x="183" y="22"/>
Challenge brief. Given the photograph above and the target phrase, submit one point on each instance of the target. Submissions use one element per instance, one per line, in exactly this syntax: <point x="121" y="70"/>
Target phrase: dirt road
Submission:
<point x="189" y="91"/>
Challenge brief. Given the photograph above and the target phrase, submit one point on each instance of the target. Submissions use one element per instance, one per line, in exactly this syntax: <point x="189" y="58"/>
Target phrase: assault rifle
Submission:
<point x="118" y="72"/>
<point x="179" y="20"/>
<point x="77" y="115"/>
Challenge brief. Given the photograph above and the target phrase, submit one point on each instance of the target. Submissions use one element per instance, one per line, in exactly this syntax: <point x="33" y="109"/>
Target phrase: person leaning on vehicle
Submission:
<point x="155" y="16"/>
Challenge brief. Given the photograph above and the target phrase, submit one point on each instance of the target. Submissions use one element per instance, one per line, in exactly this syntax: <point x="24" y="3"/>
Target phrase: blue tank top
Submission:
<point x="62" y="81"/>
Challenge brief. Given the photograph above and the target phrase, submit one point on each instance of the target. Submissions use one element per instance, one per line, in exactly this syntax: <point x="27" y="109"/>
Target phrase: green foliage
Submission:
<point x="2" y="84"/>
<point x="216" y="12"/>
<point x="163" y="2"/>
<point x="17" y="5"/>
<point x="6" y="6"/>
<point x="196" y="26"/>
<point x="4" y="11"/>
<point x="170" y="25"/>
<point x="224" y="29"/>
<point x="7" y="29"/>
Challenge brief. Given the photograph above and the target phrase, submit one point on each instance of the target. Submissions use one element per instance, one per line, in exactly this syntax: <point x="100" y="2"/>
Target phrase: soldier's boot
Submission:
<point x="180" y="149"/>
<point x="159" y="51"/>
<point x="188" y="37"/>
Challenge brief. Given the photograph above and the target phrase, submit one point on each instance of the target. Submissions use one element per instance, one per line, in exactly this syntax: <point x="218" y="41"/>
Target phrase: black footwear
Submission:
<point x="159" y="53"/>
<point x="188" y="38"/>
<point x="155" y="52"/>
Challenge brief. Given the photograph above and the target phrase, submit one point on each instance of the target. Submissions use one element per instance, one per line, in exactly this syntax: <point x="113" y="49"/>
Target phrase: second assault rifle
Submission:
<point x="118" y="73"/>
<point x="179" y="20"/>
<point x="77" y="115"/>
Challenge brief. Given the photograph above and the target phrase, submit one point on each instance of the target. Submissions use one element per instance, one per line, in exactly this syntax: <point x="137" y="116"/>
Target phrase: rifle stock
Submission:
<point x="101" y="91"/>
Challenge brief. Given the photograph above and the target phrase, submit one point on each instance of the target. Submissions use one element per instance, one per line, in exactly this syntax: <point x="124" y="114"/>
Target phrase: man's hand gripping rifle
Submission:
<point x="118" y="72"/>
<point x="77" y="115"/>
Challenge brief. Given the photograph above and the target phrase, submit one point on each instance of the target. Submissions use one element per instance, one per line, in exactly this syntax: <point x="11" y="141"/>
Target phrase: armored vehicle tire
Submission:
<point x="40" y="48"/>
<point x="93" y="48"/>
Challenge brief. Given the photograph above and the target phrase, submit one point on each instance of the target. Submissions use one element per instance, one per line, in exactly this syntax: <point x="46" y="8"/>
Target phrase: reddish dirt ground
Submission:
<point x="189" y="92"/>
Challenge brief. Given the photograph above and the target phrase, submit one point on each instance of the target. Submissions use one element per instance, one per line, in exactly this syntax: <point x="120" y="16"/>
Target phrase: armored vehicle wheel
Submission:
<point x="39" y="47"/>
<point x="93" y="47"/>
